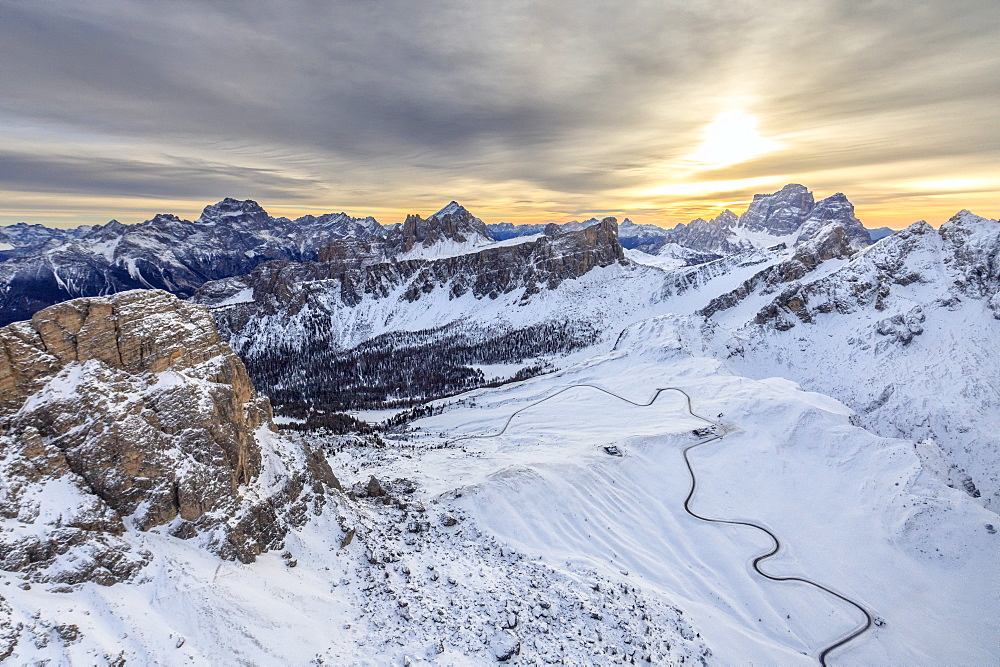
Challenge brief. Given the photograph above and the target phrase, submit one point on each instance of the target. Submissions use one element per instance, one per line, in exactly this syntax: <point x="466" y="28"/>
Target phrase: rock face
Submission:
<point x="328" y="313"/>
<point x="962" y="257"/>
<point x="230" y="238"/>
<point x="452" y="230"/>
<point x="644" y="238"/>
<point x="714" y="235"/>
<point x="129" y="412"/>
<point x="830" y="242"/>
<point x="780" y="213"/>
<point x="838" y="210"/>
<point x="544" y="263"/>
<point x="452" y="223"/>
<point x="788" y="216"/>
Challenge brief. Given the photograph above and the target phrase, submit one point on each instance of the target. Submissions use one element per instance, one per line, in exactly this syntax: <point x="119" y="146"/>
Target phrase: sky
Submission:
<point x="660" y="111"/>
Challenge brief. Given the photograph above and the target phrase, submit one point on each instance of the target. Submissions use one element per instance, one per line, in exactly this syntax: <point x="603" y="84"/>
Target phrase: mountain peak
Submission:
<point x="726" y="218"/>
<point x="454" y="208"/>
<point x="453" y="223"/>
<point x="965" y="216"/>
<point x="779" y="213"/>
<point x="233" y="208"/>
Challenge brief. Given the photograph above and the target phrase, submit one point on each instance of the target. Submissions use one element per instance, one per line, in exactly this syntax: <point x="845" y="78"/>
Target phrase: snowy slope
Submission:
<point x="853" y="509"/>
<point x="904" y="333"/>
<point x="545" y="519"/>
<point x="557" y="549"/>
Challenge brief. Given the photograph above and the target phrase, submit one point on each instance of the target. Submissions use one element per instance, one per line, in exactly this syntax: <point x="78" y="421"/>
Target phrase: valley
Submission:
<point x="762" y="438"/>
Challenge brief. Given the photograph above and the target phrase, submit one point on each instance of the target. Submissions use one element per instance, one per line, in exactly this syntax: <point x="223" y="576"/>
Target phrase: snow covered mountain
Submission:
<point x="451" y="231"/>
<point x="230" y="238"/>
<point x="739" y="290"/>
<point x="790" y="216"/>
<point x="463" y="312"/>
<point x="285" y="310"/>
<point x="45" y="266"/>
<point x="904" y="333"/>
<point x="645" y="238"/>
<point x="556" y="448"/>
<point x="40" y="266"/>
<point x="23" y="239"/>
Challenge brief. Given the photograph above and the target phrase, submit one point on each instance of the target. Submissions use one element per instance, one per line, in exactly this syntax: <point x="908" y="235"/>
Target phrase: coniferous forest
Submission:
<point x="401" y="369"/>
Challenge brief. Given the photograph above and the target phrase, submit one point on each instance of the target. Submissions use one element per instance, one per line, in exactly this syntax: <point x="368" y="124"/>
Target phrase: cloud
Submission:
<point x="392" y="103"/>
<point x="180" y="178"/>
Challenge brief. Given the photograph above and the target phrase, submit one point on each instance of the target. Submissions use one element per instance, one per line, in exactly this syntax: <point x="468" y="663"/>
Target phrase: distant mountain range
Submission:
<point x="40" y="266"/>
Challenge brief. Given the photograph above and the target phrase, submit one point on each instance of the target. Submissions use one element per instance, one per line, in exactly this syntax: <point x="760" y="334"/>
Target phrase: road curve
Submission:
<point x="869" y="620"/>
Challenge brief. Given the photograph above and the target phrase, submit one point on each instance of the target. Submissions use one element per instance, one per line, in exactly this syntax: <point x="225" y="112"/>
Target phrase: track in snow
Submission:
<point x="869" y="620"/>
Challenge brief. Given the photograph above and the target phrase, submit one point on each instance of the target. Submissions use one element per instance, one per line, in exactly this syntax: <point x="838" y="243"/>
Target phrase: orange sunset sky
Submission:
<point x="524" y="112"/>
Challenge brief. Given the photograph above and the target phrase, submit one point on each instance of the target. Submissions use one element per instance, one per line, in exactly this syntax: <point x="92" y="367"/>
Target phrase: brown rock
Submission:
<point x="136" y="401"/>
<point x="373" y="488"/>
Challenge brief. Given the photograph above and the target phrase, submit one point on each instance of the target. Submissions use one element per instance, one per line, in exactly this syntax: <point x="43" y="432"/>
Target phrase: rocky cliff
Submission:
<point x="830" y="242"/>
<point x="452" y="223"/>
<point x="489" y="272"/>
<point x="129" y="413"/>
<point x="962" y="258"/>
<point x="452" y="230"/>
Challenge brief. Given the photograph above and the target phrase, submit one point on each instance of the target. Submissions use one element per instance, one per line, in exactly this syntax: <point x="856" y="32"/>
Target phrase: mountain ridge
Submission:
<point x="515" y="479"/>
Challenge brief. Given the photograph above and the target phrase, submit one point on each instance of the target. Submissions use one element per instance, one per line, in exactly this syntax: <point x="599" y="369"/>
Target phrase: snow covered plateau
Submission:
<point x="763" y="439"/>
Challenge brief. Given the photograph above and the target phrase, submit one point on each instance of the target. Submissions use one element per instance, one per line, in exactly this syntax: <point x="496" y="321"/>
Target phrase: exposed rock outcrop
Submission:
<point x="709" y="235"/>
<point x="129" y="412"/>
<point x="780" y="213"/>
<point x="452" y="223"/>
<point x="453" y="227"/>
<point x="831" y="242"/>
<point x="835" y="209"/>
<point x="965" y="252"/>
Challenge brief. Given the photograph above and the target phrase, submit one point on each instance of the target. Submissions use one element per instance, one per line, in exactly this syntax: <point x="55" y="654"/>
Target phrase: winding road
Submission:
<point x="869" y="619"/>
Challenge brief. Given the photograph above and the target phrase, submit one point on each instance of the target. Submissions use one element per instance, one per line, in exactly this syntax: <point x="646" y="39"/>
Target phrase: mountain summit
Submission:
<point x="790" y="216"/>
<point x="451" y="230"/>
<point x="454" y="208"/>
<point x="230" y="209"/>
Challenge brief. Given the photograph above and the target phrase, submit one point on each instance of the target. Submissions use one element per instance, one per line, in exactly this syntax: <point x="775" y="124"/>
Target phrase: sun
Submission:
<point x="732" y="138"/>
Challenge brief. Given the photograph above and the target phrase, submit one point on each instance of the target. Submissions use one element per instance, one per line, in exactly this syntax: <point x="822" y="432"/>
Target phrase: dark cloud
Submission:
<point x="558" y="99"/>
<point x="178" y="177"/>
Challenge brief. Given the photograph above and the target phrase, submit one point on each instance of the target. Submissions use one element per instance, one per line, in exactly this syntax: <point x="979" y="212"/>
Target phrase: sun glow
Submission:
<point x="732" y="138"/>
